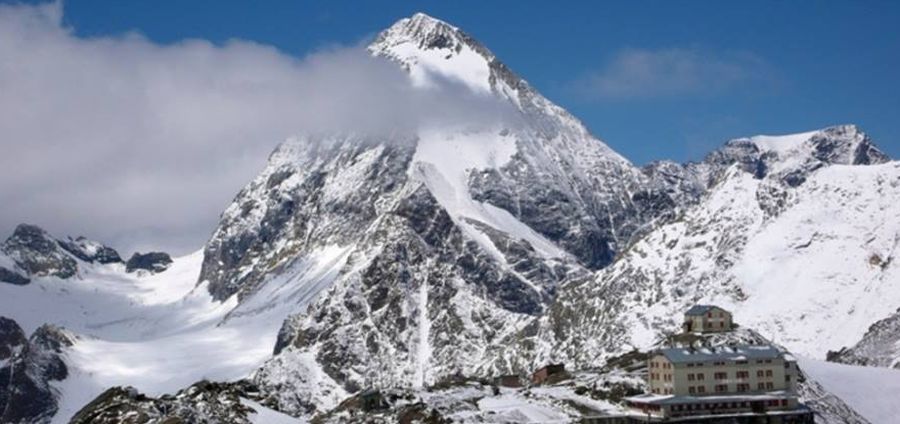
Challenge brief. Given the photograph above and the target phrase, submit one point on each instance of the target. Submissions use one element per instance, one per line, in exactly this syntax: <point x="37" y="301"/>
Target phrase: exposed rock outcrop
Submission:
<point x="153" y="262"/>
<point x="27" y="369"/>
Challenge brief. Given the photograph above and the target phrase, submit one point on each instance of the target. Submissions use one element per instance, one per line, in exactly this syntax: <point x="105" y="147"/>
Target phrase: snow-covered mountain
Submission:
<point x="794" y="234"/>
<point x="414" y="259"/>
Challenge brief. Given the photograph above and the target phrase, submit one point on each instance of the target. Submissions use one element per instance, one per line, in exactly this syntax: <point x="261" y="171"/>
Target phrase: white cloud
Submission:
<point x="638" y="73"/>
<point x="142" y="145"/>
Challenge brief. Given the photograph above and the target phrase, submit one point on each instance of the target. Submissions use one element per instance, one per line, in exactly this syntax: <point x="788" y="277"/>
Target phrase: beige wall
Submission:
<point x="719" y="321"/>
<point x="665" y="378"/>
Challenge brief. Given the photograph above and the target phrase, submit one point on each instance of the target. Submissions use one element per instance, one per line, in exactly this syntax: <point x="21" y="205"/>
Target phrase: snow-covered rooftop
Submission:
<point x="729" y="353"/>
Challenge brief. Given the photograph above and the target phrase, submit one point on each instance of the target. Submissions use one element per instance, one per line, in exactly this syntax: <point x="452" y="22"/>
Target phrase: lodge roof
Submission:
<point x="722" y="353"/>
<point x="701" y="309"/>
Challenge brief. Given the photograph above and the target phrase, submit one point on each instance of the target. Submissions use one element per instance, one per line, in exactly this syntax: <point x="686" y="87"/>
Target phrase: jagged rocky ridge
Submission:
<point x="201" y="402"/>
<point x="757" y="242"/>
<point x="879" y="347"/>
<point x="27" y="369"/>
<point x="32" y="252"/>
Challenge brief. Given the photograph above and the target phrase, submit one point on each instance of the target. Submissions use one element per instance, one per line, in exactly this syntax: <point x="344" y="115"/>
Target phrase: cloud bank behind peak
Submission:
<point x="141" y="145"/>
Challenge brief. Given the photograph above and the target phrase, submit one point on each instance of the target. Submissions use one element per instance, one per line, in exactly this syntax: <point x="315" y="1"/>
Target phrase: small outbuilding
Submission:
<point x="707" y="319"/>
<point x="549" y="374"/>
<point x="509" y="380"/>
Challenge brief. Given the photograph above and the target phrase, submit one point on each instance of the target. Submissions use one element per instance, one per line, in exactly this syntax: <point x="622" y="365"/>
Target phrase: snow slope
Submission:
<point x="158" y="332"/>
<point x="873" y="392"/>
<point x="802" y="252"/>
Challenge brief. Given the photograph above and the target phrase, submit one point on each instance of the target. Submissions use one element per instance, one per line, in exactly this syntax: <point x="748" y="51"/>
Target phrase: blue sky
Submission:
<point x="699" y="72"/>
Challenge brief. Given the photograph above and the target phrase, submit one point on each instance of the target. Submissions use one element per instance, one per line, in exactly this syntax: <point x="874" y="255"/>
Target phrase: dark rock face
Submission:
<point x="743" y="152"/>
<point x="12" y="277"/>
<point x="90" y="251"/>
<point x="12" y="338"/>
<point x="202" y="402"/>
<point x="292" y="207"/>
<point x="28" y="369"/>
<point x="846" y="144"/>
<point x="37" y="253"/>
<point x="151" y="261"/>
<point x="590" y="216"/>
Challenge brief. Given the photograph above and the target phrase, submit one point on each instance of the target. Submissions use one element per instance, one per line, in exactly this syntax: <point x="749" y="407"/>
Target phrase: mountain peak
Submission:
<point x="430" y="48"/>
<point x="425" y="31"/>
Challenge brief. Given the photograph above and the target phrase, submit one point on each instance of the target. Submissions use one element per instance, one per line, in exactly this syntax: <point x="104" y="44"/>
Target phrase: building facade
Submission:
<point x="688" y="382"/>
<point x="707" y="319"/>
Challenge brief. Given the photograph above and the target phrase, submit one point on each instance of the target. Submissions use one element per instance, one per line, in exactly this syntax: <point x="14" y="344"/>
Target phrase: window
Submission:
<point x="742" y="374"/>
<point x="709" y="314"/>
<point x="692" y="390"/>
<point x="721" y="324"/>
<point x="768" y="361"/>
<point x="787" y="379"/>
<point x="701" y="389"/>
<point x="769" y="385"/>
<point x="768" y="373"/>
<point x="690" y="364"/>
<point x="690" y="377"/>
<point x="720" y="388"/>
<point x="700" y="376"/>
<point x="759" y="361"/>
<point x="759" y="373"/>
<point x="721" y="376"/>
<point x="743" y="387"/>
<point x="784" y="402"/>
<point x="760" y="386"/>
<point x="741" y="362"/>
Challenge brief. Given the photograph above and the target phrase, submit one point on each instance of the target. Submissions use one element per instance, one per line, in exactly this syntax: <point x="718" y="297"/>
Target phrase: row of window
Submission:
<point x="655" y="376"/>
<point x="725" y="405"/>
<point x="665" y="365"/>
<point x="723" y="388"/>
<point x="724" y="375"/>
<point x="722" y="363"/>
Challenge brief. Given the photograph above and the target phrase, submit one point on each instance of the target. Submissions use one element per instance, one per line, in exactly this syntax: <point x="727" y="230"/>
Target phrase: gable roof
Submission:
<point x="701" y="309"/>
<point x="722" y="353"/>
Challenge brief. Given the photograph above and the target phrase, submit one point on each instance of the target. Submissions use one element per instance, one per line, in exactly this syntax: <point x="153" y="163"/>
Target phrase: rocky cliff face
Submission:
<point x="32" y="252"/>
<point x="783" y="235"/>
<point x="37" y="253"/>
<point x="27" y="369"/>
<point x="201" y="402"/>
<point x="879" y="347"/>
